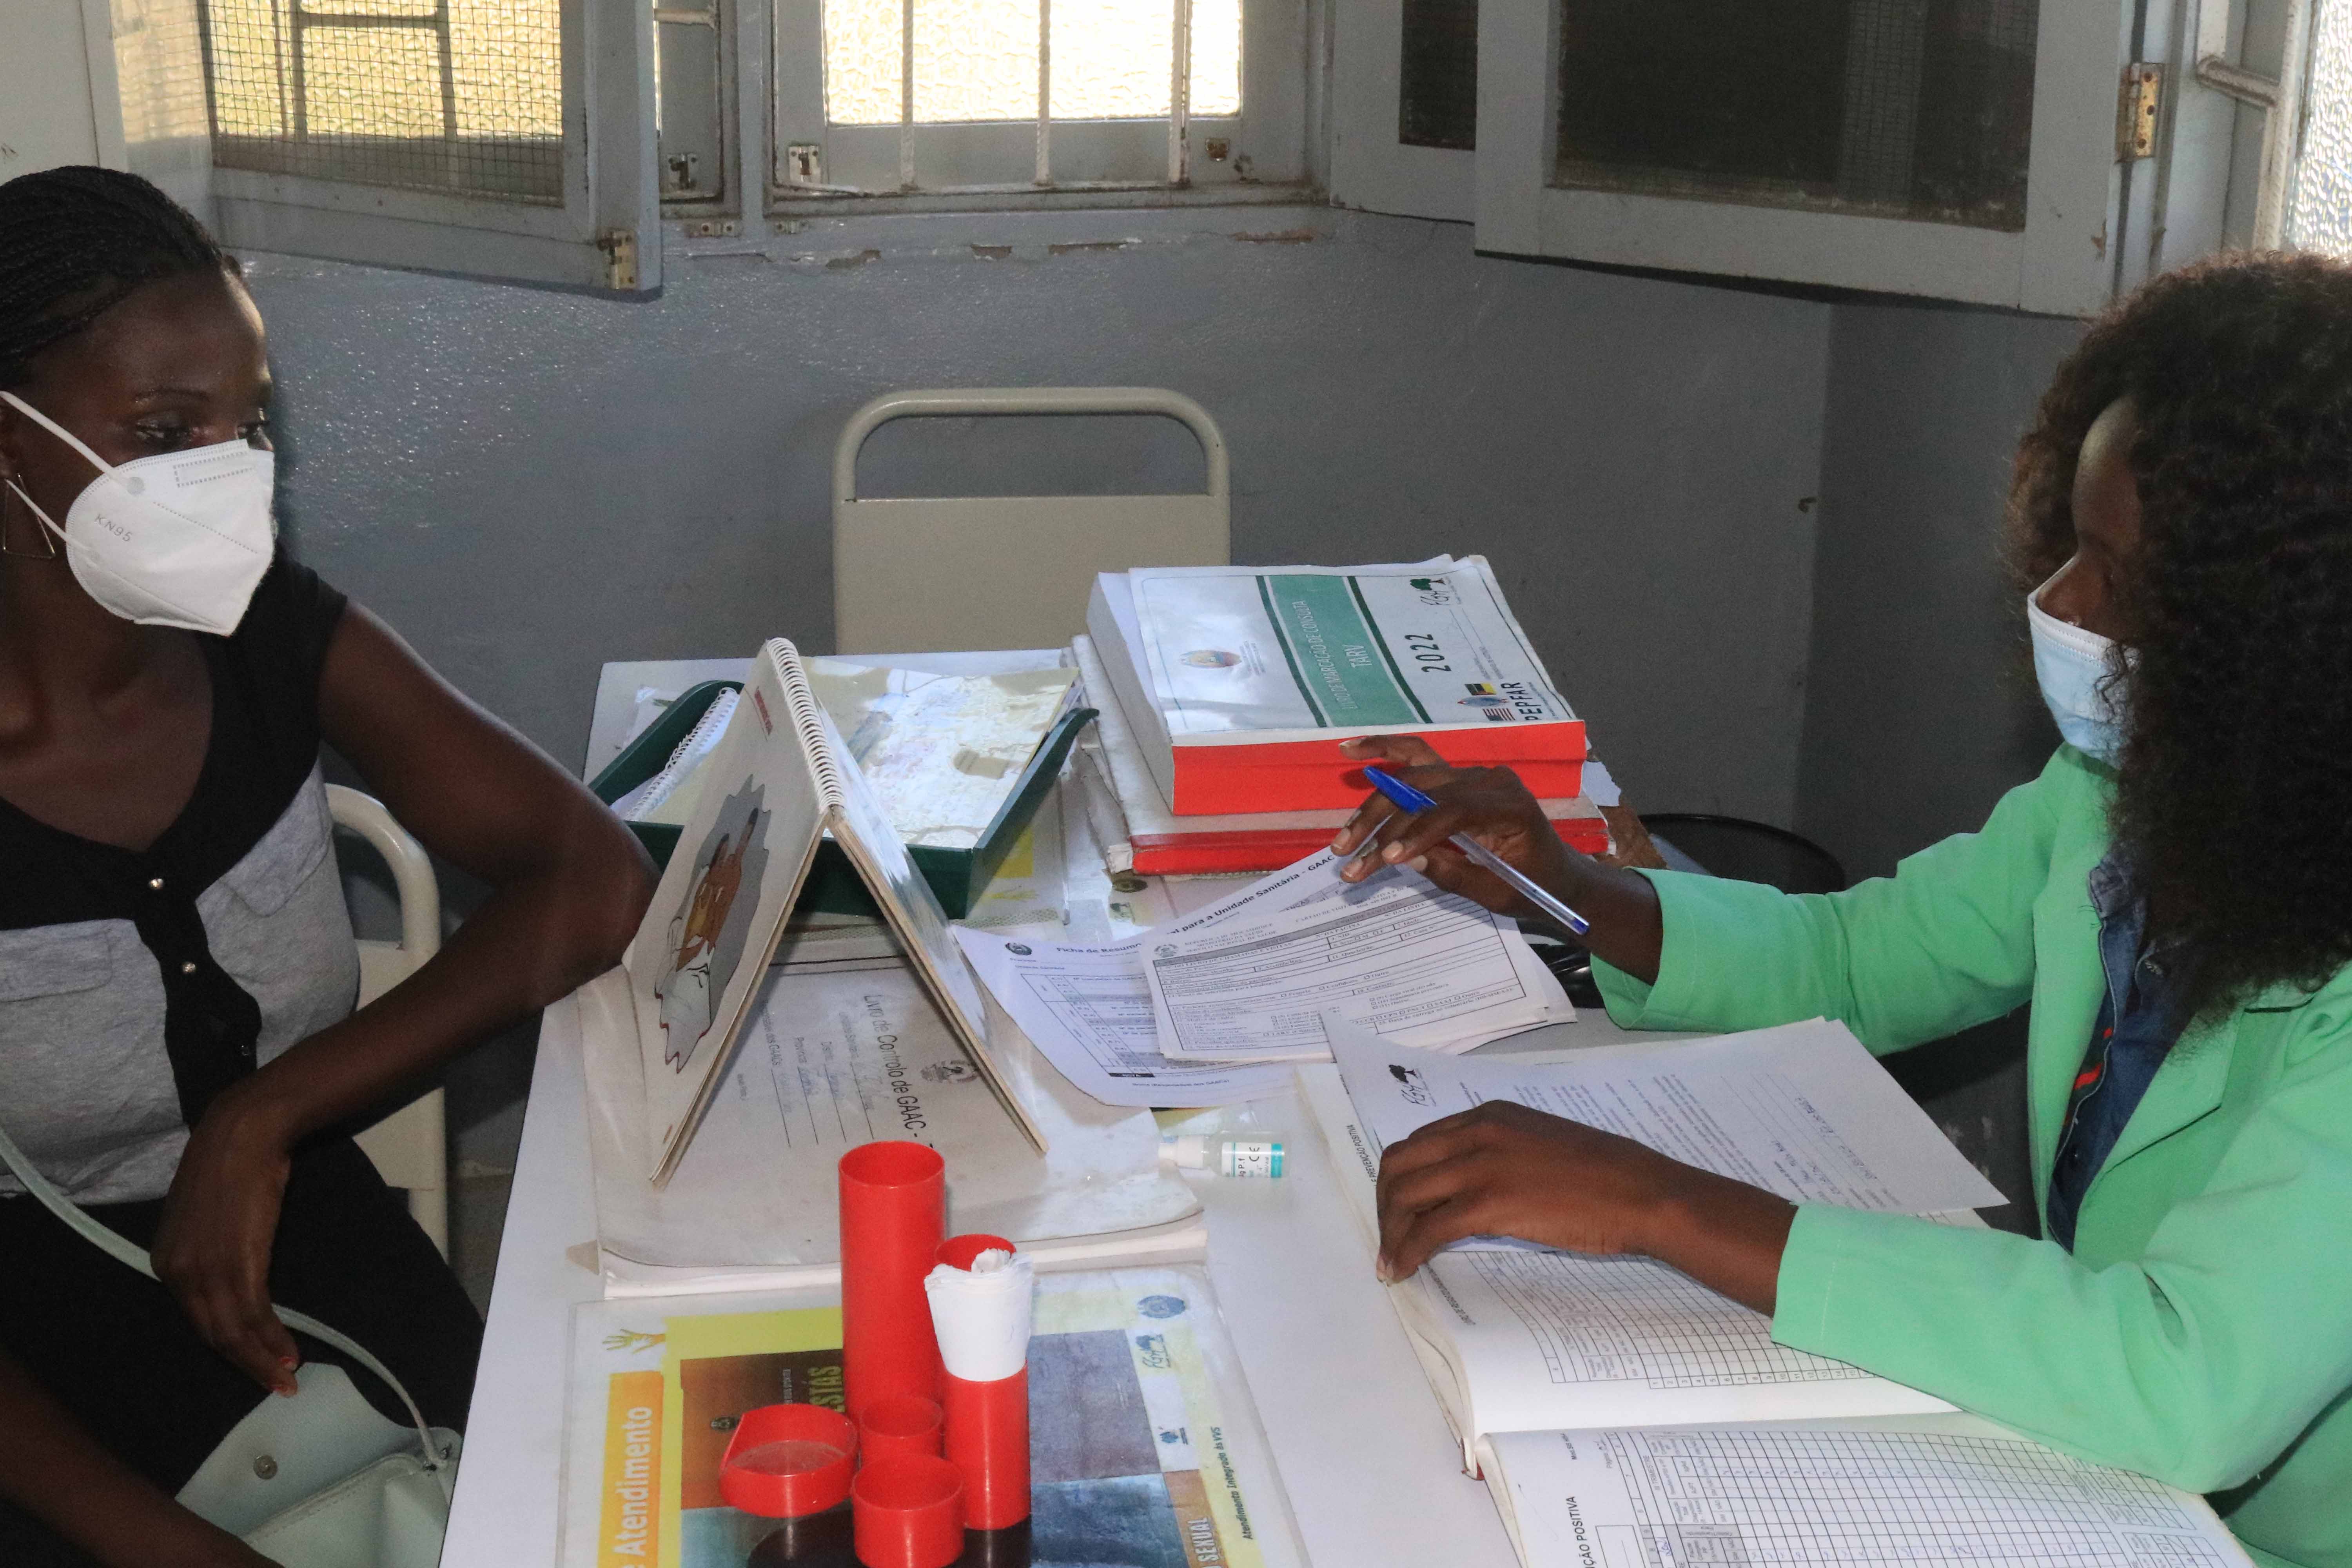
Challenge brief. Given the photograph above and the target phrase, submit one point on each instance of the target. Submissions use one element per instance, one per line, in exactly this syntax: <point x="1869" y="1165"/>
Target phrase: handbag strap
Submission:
<point x="125" y="1251"/>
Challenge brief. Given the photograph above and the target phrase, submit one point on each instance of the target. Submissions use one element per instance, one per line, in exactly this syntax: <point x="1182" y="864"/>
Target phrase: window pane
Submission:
<point x="471" y="103"/>
<point x="1112" y="58"/>
<point x="975" y="59"/>
<point x="373" y="81"/>
<point x="507" y="58"/>
<point x="862" y="61"/>
<point x="1911" y="109"/>
<point x="2319" y="213"/>
<point x="1215" y="86"/>
<point x="1438" y="75"/>
<point x="248" y="69"/>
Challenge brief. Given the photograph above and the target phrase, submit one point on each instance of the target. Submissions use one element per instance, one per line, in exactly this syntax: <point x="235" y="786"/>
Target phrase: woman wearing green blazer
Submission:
<point x="2173" y="895"/>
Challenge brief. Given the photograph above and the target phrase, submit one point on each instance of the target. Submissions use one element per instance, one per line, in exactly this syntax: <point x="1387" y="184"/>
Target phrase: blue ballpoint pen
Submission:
<point x="1405" y="797"/>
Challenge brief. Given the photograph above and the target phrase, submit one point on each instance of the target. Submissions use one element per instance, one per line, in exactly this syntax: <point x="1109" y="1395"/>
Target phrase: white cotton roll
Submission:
<point x="982" y="1315"/>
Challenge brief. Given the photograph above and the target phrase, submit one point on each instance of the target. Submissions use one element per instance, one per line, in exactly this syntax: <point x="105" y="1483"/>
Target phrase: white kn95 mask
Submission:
<point x="180" y="538"/>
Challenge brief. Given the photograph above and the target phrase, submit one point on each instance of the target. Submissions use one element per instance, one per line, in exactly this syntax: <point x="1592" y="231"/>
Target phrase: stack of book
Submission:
<point x="1224" y="693"/>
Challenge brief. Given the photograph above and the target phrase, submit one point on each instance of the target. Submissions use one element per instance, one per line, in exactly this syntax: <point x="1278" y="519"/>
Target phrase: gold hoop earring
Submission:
<point x="7" y="491"/>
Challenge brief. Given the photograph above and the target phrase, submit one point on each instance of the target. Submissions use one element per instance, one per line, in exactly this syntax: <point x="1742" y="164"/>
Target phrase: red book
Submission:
<point x="1294" y="660"/>
<point x="1164" y="844"/>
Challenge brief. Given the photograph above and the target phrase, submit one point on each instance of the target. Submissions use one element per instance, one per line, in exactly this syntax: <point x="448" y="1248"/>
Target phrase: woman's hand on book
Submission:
<point x="1502" y="1169"/>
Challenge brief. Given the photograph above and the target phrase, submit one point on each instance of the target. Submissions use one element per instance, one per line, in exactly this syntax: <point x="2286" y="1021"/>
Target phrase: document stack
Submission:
<point x="1224" y="693"/>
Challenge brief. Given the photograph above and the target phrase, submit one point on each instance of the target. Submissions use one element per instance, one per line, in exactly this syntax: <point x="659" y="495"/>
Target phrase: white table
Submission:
<point x="1372" y="1472"/>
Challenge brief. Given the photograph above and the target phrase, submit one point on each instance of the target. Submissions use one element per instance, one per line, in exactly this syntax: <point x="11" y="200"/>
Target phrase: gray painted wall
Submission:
<point x="528" y="484"/>
<point x="1921" y="708"/>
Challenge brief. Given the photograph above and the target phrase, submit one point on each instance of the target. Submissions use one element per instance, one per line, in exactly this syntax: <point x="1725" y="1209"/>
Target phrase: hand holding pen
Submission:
<point x="1402" y="823"/>
<point x="1405" y="797"/>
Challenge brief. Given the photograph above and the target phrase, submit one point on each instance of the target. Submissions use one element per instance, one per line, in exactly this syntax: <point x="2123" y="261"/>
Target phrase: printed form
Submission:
<point x="1394" y="955"/>
<point x="1091" y="1008"/>
<point x="1942" y="1490"/>
<point x="1803" y="1111"/>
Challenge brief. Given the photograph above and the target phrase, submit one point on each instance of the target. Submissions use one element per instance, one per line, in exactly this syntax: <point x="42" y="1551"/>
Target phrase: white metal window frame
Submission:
<point x="1267" y="147"/>
<point x="603" y="233"/>
<point x="1372" y="169"/>
<point x="2062" y="262"/>
<point x="713" y="183"/>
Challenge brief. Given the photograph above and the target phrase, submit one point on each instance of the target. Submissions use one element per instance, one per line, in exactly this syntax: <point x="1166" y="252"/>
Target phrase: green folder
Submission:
<point x="957" y="876"/>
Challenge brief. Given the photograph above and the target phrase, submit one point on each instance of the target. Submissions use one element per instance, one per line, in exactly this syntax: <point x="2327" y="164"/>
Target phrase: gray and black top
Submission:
<point x="135" y="986"/>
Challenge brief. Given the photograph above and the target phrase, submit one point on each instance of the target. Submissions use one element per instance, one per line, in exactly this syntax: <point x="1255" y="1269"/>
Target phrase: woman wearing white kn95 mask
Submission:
<point x="2171" y="897"/>
<point x="179" y="1052"/>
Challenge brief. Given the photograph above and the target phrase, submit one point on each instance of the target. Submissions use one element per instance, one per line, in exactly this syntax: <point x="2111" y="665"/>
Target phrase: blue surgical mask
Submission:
<point x="2073" y="667"/>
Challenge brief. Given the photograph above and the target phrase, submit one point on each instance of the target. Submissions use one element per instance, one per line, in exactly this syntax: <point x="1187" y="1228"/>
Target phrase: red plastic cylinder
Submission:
<point x="786" y="1460"/>
<point x="907" y="1511"/>
<point x="894" y="1212"/>
<point x="988" y="1440"/>
<point x="900" y="1424"/>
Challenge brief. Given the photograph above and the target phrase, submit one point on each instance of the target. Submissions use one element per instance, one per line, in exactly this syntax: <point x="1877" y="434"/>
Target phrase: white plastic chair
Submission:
<point x="917" y="575"/>
<point x="411" y="1146"/>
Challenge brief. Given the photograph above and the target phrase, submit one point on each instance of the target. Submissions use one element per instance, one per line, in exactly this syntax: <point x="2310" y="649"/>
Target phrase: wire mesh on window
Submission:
<point x="976" y="60"/>
<point x="458" y="95"/>
<point x="2319" y="211"/>
<point x="1908" y="108"/>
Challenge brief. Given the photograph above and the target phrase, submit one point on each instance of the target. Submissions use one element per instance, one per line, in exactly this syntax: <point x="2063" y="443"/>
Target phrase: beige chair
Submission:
<point x="411" y="1146"/>
<point x="922" y="573"/>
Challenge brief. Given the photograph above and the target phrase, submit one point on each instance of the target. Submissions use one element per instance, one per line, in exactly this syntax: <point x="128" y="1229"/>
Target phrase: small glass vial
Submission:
<point x="1245" y="1157"/>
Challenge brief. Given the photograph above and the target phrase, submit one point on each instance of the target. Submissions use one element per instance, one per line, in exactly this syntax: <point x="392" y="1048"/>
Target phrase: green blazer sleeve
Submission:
<point x="2199" y="1360"/>
<point x="1944" y="943"/>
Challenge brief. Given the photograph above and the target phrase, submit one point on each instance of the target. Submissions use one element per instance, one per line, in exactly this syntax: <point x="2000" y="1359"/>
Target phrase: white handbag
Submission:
<point x="319" y="1480"/>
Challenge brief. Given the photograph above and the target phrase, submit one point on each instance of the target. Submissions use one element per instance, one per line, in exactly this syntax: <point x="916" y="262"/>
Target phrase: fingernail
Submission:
<point x="1380" y="1270"/>
<point x="1392" y="852"/>
<point x="289" y="1389"/>
<point x="288" y="1362"/>
<point x="1421" y="864"/>
<point x="1339" y="843"/>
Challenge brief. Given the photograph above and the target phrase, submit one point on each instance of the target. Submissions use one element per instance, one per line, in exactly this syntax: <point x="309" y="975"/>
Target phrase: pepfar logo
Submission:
<point x="1414" y="1086"/>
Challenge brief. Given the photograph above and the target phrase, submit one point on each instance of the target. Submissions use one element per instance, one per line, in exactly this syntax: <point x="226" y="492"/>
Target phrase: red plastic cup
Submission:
<point x="907" y="1511"/>
<point x="898" y="1424"/>
<point x="893" y="1212"/>
<point x="786" y="1460"/>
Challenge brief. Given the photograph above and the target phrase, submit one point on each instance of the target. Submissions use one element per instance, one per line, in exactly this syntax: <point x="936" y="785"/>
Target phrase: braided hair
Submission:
<point x="73" y="243"/>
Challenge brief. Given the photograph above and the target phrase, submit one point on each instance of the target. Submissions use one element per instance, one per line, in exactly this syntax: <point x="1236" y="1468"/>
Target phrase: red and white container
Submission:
<point x="982" y="1295"/>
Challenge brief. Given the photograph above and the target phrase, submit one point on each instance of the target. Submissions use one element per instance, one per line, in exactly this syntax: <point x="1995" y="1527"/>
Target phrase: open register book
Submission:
<point x="735" y="1056"/>
<point x="1624" y="1416"/>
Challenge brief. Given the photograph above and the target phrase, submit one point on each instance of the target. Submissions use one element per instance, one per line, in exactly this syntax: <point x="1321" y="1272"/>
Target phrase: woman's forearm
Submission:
<point x="1724" y="1234"/>
<point x="1628" y="931"/>
<point x="535" y="940"/>
<point x="53" y="1470"/>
